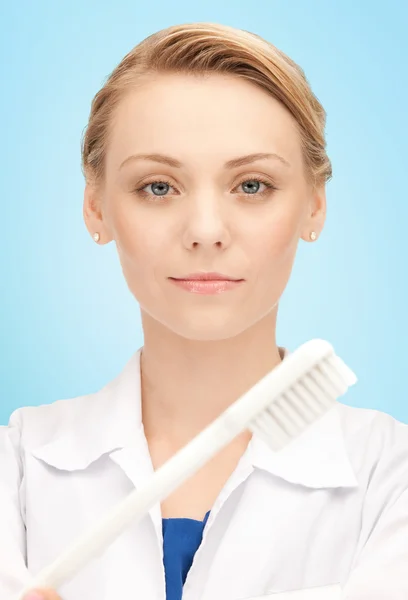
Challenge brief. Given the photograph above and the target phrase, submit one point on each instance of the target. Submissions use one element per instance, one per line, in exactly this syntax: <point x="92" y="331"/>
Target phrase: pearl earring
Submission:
<point x="313" y="235"/>
<point x="96" y="237"/>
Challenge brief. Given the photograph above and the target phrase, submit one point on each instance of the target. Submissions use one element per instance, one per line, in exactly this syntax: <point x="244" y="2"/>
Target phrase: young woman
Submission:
<point x="205" y="164"/>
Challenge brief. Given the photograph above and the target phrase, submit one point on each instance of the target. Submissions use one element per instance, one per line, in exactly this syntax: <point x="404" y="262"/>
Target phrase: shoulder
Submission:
<point x="377" y="446"/>
<point x="44" y="423"/>
<point x="37" y="425"/>
<point x="372" y="428"/>
<point x="83" y="426"/>
<point x="67" y="434"/>
<point x="31" y="427"/>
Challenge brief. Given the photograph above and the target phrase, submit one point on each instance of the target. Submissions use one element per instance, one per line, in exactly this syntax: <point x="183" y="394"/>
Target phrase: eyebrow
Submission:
<point x="230" y="164"/>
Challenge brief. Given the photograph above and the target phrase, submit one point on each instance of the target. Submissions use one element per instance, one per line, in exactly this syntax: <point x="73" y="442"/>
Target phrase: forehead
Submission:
<point x="217" y="116"/>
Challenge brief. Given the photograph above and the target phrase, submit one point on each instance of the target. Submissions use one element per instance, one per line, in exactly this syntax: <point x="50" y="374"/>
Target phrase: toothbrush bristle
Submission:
<point x="304" y="402"/>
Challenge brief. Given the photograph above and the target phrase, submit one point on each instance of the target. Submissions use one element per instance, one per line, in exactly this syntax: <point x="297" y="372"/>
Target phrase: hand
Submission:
<point x="44" y="594"/>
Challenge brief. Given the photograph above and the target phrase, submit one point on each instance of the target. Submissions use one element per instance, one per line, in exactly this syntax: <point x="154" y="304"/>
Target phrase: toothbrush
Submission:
<point x="278" y="408"/>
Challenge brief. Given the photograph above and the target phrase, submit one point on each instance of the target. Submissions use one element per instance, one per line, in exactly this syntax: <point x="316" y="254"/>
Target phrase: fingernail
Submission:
<point x="33" y="596"/>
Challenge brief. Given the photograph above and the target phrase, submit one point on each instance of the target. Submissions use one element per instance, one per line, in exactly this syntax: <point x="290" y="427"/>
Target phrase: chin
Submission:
<point x="210" y="327"/>
<point x="209" y="323"/>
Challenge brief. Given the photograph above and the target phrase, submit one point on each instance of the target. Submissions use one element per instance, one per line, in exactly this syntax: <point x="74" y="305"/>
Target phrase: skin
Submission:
<point x="43" y="594"/>
<point x="202" y="352"/>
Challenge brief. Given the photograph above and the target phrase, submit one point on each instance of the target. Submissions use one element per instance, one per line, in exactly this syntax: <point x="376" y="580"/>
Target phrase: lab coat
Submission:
<point x="328" y="512"/>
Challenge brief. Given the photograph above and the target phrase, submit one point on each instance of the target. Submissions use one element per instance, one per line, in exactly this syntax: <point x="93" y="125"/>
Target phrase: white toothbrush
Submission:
<point x="304" y="386"/>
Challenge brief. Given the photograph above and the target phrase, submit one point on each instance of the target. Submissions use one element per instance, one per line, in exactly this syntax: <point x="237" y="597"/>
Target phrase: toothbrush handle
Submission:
<point x="133" y="508"/>
<point x="235" y="420"/>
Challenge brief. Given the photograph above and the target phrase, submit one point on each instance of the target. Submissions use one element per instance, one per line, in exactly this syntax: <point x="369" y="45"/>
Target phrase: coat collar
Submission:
<point x="76" y="432"/>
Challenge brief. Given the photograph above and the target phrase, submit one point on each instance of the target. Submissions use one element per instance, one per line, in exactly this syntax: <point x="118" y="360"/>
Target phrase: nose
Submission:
<point x="205" y="225"/>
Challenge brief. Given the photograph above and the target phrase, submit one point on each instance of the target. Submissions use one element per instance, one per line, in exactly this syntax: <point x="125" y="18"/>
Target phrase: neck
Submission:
<point x="186" y="384"/>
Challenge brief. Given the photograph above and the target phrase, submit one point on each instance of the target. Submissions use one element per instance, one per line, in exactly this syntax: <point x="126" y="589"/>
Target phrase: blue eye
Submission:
<point x="161" y="187"/>
<point x="252" y="186"/>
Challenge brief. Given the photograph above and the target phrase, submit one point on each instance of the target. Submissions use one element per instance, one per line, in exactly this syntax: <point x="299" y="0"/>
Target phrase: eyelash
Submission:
<point x="269" y="187"/>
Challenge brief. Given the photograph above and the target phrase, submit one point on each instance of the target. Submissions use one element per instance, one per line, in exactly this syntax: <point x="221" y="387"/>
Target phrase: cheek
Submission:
<point x="137" y="239"/>
<point x="132" y="249"/>
<point x="278" y="238"/>
<point x="142" y="246"/>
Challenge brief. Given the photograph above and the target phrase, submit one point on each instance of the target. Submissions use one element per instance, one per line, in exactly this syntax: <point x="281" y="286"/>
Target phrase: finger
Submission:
<point x="43" y="594"/>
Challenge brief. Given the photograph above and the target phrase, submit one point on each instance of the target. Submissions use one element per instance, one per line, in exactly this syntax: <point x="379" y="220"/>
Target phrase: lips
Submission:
<point x="206" y="277"/>
<point x="206" y="283"/>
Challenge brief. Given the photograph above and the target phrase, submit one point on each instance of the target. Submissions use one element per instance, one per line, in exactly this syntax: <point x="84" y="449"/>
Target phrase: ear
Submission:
<point x="94" y="217"/>
<point x="316" y="215"/>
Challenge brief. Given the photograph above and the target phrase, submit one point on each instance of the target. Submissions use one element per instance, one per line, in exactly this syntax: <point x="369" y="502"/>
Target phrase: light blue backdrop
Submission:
<point x="68" y="322"/>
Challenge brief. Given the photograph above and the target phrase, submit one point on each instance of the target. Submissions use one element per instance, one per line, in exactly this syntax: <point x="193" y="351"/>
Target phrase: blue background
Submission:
<point x="68" y="321"/>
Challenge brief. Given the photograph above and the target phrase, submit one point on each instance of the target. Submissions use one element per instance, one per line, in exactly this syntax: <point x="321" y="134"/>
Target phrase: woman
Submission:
<point x="205" y="163"/>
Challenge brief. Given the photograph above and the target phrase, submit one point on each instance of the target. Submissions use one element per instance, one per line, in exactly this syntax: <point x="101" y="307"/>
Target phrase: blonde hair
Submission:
<point x="205" y="48"/>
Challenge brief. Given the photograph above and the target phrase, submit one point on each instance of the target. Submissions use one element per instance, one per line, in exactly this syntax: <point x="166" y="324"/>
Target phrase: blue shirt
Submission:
<point x="181" y="540"/>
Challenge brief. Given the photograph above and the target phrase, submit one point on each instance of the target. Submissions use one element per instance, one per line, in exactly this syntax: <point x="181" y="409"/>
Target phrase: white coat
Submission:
<point x="331" y="509"/>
